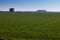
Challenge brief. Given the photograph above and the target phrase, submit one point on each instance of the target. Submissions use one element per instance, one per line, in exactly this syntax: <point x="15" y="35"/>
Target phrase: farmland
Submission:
<point x="29" y="26"/>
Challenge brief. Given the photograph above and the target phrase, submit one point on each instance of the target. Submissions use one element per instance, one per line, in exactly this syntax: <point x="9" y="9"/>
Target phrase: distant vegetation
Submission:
<point x="41" y="11"/>
<point x="29" y="26"/>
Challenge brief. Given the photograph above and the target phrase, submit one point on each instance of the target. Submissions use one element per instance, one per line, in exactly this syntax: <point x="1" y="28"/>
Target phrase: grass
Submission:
<point x="29" y="26"/>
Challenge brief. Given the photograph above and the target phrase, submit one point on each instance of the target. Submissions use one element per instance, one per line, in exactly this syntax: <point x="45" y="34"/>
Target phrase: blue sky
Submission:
<point x="30" y="5"/>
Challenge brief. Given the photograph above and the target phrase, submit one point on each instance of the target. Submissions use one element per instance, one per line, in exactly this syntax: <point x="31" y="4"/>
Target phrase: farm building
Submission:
<point x="11" y="10"/>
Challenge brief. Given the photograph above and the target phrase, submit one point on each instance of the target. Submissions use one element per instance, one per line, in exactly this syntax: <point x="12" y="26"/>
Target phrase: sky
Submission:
<point x="30" y="5"/>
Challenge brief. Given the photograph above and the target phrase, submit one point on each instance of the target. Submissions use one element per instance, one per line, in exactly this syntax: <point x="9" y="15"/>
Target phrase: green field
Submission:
<point x="29" y="26"/>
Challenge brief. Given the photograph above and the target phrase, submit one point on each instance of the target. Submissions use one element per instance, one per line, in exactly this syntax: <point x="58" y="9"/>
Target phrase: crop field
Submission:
<point x="29" y="26"/>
